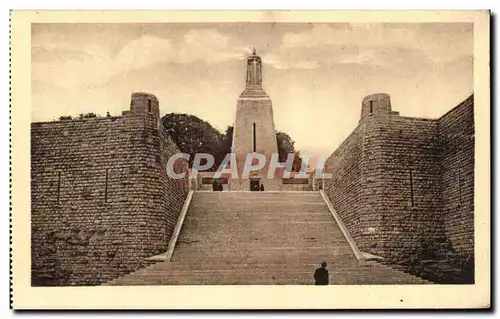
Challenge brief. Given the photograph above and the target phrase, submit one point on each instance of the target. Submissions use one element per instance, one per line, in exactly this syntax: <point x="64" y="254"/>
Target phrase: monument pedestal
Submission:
<point x="254" y="130"/>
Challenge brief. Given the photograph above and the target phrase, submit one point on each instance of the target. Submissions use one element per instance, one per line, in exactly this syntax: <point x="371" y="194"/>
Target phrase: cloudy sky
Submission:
<point x="316" y="74"/>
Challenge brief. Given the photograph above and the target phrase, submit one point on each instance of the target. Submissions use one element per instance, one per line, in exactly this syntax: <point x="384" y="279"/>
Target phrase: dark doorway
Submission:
<point x="254" y="185"/>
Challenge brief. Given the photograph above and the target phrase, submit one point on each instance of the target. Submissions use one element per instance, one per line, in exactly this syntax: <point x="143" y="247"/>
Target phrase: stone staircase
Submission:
<point x="261" y="238"/>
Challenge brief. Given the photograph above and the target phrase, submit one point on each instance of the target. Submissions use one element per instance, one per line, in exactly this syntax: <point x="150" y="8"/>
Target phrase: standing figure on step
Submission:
<point x="261" y="187"/>
<point x="321" y="275"/>
<point x="215" y="186"/>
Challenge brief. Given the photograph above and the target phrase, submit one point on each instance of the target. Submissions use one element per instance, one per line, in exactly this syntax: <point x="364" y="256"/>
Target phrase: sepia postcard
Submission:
<point x="250" y="159"/>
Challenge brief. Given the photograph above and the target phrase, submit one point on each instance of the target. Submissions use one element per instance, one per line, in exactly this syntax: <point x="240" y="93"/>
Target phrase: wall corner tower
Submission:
<point x="378" y="105"/>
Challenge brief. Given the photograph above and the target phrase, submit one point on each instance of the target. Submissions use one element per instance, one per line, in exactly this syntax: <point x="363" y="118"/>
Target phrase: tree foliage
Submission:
<point x="79" y="117"/>
<point x="193" y="135"/>
<point x="286" y="145"/>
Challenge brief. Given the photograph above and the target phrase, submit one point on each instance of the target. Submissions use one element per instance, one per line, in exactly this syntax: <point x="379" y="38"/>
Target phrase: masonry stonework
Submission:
<point x="344" y="189"/>
<point x="101" y="199"/>
<point x="399" y="181"/>
<point x="254" y="125"/>
<point x="456" y="130"/>
<point x="254" y="130"/>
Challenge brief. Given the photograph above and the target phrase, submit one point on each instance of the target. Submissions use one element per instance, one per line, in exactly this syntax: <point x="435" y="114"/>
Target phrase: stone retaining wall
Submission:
<point x="101" y="201"/>
<point x="400" y="182"/>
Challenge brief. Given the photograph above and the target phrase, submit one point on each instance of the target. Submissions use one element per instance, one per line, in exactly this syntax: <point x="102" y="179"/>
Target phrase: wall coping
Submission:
<point x="360" y="255"/>
<point x="343" y="228"/>
<point x="469" y="99"/>
<point x="240" y="191"/>
<point x="167" y="256"/>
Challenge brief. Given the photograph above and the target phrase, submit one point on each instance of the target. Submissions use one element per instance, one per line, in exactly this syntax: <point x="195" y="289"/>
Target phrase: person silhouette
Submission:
<point x="321" y="275"/>
<point x="261" y="187"/>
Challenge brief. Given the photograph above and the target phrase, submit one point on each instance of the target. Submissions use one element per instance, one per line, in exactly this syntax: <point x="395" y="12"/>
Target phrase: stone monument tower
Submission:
<point x="254" y="127"/>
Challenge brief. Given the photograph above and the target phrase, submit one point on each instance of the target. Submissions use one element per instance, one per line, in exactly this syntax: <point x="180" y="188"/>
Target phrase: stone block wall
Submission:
<point x="402" y="190"/>
<point x="397" y="180"/>
<point x="456" y="133"/>
<point x="100" y="198"/>
<point x="172" y="192"/>
<point x="344" y="189"/>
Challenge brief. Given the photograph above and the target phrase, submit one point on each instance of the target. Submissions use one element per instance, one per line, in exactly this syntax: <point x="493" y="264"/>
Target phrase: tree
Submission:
<point x="193" y="135"/>
<point x="228" y="140"/>
<point x="286" y="145"/>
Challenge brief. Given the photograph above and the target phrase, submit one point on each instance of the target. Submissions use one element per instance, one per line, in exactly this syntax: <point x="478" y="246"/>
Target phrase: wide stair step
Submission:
<point x="261" y="238"/>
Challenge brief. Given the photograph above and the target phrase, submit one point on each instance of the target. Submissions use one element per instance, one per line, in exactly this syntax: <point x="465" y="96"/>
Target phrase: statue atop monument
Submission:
<point x="254" y="69"/>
